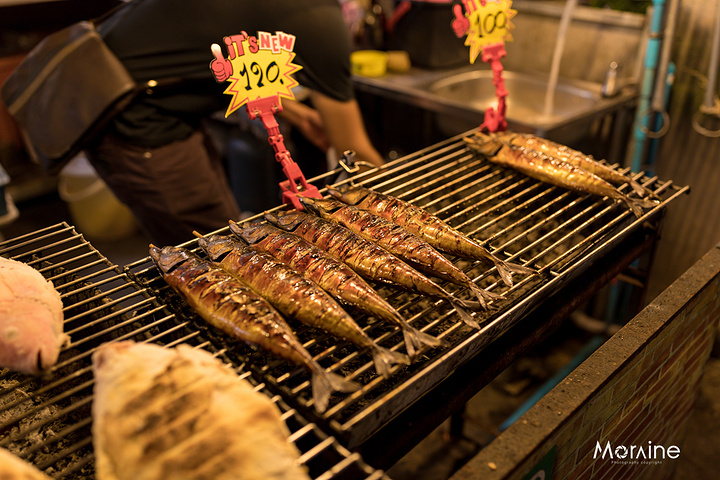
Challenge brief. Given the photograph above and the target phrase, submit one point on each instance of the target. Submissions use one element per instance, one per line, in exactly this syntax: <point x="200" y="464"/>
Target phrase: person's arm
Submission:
<point x="308" y="121"/>
<point x="345" y="129"/>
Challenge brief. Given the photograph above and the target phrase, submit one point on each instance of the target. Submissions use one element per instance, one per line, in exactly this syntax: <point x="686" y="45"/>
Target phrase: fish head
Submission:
<point x="253" y="232"/>
<point x="217" y="246"/>
<point x="287" y="221"/>
<point x="350" y="194"/>
<point x="321" y="206"/>
<point x="167" y="258"/>
<point x="485" y="144"/>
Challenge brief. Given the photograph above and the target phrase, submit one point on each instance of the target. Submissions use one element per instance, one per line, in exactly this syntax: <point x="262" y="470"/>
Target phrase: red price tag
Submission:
<point x="256" y="67"/>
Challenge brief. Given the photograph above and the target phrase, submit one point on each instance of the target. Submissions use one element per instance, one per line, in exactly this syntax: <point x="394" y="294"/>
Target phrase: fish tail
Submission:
<point x="642" y="191"/>
<point x="505" y="272"/>
<point x="384" y="360"/>
<point x="416" y="340"/>
<point x="464" y="314"/>
<point x="639" y="189"/>
<point x="507" y="269"/>
<point x="638" y="206"/>
<point x="324" y="383"/>
<point x="483" y="296"/>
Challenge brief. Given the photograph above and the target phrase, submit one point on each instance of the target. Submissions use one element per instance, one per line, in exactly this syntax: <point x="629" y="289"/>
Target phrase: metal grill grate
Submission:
<point x="47" y="420"/>
<point x="521" y="220"/>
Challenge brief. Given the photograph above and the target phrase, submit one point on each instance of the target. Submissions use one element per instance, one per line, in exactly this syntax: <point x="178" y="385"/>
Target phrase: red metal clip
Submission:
<point x="266" y="108"/>
<point x="494" y="120"/>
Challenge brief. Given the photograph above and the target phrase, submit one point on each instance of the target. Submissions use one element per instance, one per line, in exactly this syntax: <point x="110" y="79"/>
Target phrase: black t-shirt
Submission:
<point x="171" y="39"/>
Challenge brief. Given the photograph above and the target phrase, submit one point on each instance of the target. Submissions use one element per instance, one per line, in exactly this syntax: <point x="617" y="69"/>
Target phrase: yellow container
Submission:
<point x="368" y="63"/>
<point x="94" y="209"/>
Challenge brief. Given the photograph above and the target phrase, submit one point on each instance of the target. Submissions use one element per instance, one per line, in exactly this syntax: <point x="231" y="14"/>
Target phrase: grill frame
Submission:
<point x="136" y="289"/>
<point x="410" y="177"/>
<point x="47" y="420"/>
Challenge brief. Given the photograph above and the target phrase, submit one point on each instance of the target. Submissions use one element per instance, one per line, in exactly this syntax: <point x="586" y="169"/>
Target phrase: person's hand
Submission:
<point x="460" y="23"/>
<point x="220" y="66"/>
<point x="307" y="120"/>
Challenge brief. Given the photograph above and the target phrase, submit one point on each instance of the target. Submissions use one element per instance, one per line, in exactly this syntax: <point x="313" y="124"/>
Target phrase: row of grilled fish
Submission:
<point x="305" y="266"/>
<point x="559" y="165"/>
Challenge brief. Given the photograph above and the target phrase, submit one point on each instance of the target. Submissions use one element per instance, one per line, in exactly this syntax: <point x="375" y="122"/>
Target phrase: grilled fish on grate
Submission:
<point x="15" y="468"/>
<point x="553" y="170"/>
<point x="231" y="306"/>
<point x="295" y="296"/>
<point x="365" y="257"/>
<point x="396" y="240"/>
<point x="573" y="156"/>
<point x="31" y="319"/>
<point x="334" y="276"/>
<point x="181" y="414"/>
<point x="427" y="226"/>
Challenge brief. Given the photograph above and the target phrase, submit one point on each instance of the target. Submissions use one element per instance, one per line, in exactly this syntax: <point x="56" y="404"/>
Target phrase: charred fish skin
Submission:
<point x="577" y="158"/>
<point x="363" y="256"/>
<point x="334" y="276"/>
<point x="556" y="171"/>
<point x="427" y="226"/>
<point x="397" y="240"/>
<point x="231" y="306"/>
<point x="295" y="296"/>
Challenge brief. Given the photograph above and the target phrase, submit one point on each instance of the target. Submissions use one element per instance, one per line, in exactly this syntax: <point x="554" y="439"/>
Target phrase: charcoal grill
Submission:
<point x="47" y="420"/>
<point x="557" y="232"/>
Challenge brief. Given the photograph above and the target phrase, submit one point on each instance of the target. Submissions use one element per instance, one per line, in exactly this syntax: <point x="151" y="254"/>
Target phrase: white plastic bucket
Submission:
<point x="94" y="209"/>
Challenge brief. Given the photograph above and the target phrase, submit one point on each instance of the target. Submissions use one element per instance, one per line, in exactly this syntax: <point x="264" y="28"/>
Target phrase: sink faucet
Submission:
<point x="611" y="87"/>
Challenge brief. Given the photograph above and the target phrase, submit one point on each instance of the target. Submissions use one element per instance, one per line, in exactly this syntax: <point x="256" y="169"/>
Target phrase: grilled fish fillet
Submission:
<point x="31" y="319"/>
<point x="161" y="413"/>
<point x="15" y="468"/>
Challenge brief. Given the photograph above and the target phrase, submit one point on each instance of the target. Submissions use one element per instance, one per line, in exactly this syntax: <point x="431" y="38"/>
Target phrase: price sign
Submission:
<point x="256" y="67"/>
<point x="486" y="22"/>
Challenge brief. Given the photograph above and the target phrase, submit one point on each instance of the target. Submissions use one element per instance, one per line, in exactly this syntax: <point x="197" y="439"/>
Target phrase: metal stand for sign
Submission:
<point x="265" y="109"/>
<point x="494" y="120"/>
<point x="492" y="53"/>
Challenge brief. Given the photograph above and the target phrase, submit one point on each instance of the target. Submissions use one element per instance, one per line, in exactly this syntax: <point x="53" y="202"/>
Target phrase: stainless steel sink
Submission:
<point x="526" y="96"/>
<point x="460" y="97"/>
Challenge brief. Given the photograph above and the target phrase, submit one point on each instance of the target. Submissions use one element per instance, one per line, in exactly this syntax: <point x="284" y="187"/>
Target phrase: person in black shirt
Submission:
<point x="157" y="158"/>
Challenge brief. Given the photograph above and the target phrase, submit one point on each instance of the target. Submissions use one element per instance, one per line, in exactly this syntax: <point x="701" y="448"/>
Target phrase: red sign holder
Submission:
<point x="486" y="28"/>
<point x="265" y="109"/>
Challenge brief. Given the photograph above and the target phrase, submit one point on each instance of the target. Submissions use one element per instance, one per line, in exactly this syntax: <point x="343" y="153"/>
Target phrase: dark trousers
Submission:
<point x="172" y="190"/>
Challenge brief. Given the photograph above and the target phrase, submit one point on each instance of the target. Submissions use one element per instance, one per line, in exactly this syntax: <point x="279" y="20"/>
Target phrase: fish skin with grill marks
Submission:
<point x="334" y="276"/>
<point x="575" y="157"/>
<point x="552" y="170"/>
<point x="230" y="305"/>
<point x="295" y="296"/>
<point x="397" y="240"/>
<point x="427" y="226"/>
<point x="161" y="413"/>
<point x="365" y="257"/>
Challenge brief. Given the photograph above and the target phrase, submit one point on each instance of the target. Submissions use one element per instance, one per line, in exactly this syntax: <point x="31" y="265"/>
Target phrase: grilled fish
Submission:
<point x="294" y="295"/>
<point x="231" y="306"/>
<point x="179" y="413"/>
<point x="31" y="319"/>
<point x="395" y="239"/>
<point x="334" y="276"/>
<point x="13" y="467"/>
<point x="367" y="259"/>
<point x="427" y="226"/>
<point x="554" y="171"/>
<point x="577" y="158"/>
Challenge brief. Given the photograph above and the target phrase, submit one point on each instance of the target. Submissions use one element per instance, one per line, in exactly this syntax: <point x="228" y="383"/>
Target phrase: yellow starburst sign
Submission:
<point x="489" y="23"/>
<point x="256" y="67"/>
